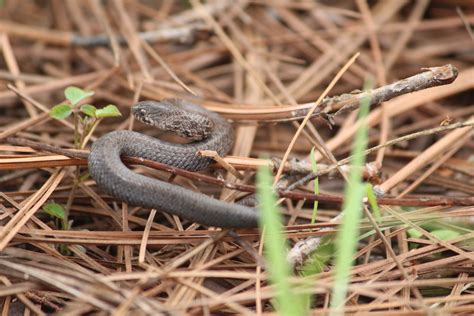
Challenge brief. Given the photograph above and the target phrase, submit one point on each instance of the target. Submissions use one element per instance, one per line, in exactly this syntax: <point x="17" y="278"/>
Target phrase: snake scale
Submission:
<point x="206" y="129"/>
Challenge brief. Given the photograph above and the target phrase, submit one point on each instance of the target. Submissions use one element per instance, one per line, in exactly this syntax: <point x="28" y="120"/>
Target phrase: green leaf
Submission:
<point x="108" y="111"/>
<point x="76" y="95"/>
<point x="445" y="234"/>
<point x="60" y="111"/>
<point x="318" y="259"/>
<point x="54" y="210"/>
<point x="88" y="109"/>
<point x="414" y="233"/>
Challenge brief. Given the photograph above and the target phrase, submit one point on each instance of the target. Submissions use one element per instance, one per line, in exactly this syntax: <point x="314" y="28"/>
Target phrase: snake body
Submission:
<point x="209" y="132"/>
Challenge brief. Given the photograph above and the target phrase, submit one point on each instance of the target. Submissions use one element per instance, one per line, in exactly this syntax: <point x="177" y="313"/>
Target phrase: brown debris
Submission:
<point x="261" y="64"/>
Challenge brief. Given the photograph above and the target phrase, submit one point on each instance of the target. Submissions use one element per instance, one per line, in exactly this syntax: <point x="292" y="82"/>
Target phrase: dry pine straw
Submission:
<point x="250" y="61"/>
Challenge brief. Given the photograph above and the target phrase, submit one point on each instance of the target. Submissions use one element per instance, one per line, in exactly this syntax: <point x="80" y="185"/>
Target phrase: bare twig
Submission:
<point x="183" y="34"/>
<point x="313" y="175"/>
<point x="284" y="193"/>
<point x="337" y="105"/>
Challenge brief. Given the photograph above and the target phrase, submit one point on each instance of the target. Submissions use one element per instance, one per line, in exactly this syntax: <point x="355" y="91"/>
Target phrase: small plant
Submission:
<point x="56" y="211"/>
<point x="90" y="119"/>
<point x="58" y="214"/>
<point x="318" y="260"/>
<point x="439" y="229"/>
<point x="86" y="119"/>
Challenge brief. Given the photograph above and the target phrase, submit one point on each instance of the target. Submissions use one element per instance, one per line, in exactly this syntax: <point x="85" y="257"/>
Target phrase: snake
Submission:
<point x="205" y="130"/>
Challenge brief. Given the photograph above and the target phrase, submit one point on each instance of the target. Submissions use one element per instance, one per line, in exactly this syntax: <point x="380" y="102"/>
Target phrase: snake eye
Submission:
<point x="142" y="112"/>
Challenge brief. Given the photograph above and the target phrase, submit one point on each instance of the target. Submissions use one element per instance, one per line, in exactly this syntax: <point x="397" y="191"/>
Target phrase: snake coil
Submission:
<point x="208" y="130"/>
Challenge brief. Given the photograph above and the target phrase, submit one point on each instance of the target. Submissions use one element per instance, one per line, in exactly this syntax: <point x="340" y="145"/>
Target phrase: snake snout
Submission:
<point x="148" y="112"/>
<point x="139" y="112"/>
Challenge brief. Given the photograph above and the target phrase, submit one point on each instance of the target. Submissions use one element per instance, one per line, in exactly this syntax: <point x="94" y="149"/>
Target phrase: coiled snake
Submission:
<point x="208" y="130"/>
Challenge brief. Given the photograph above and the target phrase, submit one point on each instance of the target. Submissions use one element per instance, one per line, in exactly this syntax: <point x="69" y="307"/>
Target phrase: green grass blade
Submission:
<point x="373" y="202"/>
<point x="287" y="302"/>
<point x="346" y="240"/>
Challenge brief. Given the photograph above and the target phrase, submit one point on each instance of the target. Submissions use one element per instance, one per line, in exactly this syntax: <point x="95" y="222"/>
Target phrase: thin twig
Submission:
<point x="284" y="193"/>
<point x="313" y="175"/>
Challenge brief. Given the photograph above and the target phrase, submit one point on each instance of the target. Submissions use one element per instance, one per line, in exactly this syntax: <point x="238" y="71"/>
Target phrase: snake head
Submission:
<point x="150" y="112"/>
<point x="177" y="116"/>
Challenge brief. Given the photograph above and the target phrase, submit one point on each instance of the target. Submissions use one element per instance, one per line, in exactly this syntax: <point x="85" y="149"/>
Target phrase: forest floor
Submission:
<point x="67" y="247"/>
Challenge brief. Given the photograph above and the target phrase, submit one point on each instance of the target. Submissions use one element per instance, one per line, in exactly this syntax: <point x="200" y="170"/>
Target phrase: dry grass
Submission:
<point x="262" y="64"/>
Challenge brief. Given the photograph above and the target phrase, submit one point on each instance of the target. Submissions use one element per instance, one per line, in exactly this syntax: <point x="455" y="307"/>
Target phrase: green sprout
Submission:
<point x="90" y="119"/>
<point x="86" y="119"/>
